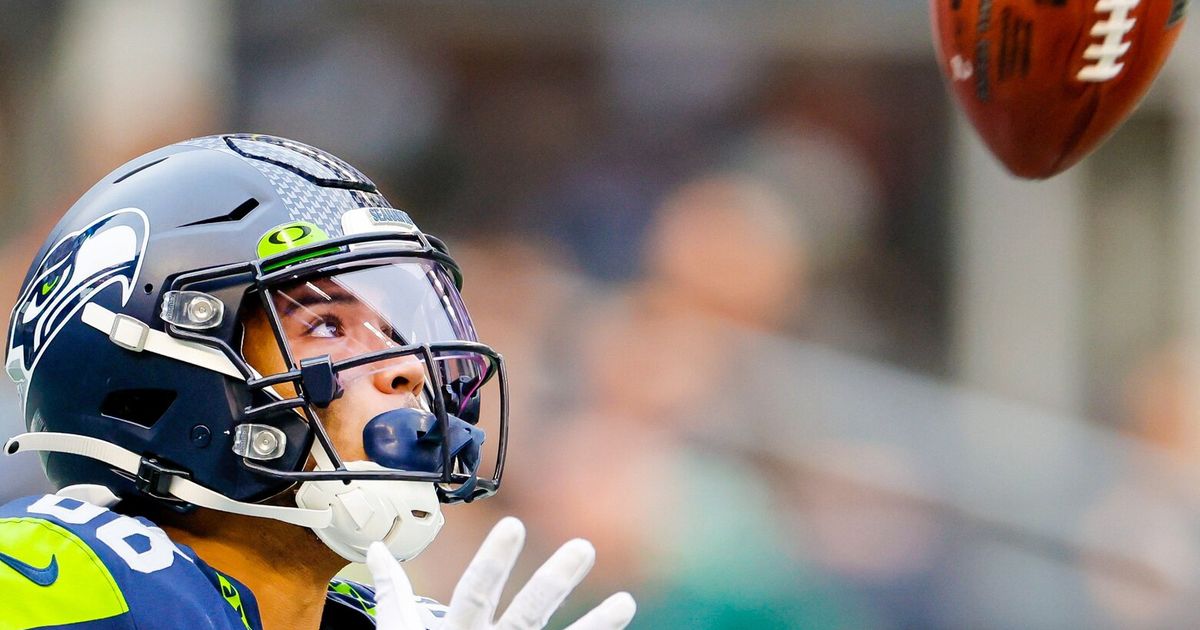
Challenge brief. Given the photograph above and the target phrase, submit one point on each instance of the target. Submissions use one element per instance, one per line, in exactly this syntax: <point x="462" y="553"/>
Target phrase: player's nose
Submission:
<point x="404" y="375"/>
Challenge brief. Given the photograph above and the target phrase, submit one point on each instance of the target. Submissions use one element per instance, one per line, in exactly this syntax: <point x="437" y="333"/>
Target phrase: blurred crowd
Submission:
<point x="719" y="269"/>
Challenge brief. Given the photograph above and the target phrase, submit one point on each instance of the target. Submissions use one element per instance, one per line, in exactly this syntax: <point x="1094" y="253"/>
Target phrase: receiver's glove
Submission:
<point x="473" y="605"/>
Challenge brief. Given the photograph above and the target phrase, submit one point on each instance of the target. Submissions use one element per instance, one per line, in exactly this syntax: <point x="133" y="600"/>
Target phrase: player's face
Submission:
<point x="323" y="317"/>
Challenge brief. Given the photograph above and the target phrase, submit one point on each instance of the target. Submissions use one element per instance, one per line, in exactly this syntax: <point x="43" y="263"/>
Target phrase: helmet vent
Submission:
<point x="237" y="214"/>
<point x="140" y="406"/>
<point x="137" y="170"/>
<point x="345" y="176"/>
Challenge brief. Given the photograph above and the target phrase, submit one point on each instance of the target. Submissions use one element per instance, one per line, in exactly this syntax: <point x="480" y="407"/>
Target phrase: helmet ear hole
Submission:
<point x="140" y="406"/>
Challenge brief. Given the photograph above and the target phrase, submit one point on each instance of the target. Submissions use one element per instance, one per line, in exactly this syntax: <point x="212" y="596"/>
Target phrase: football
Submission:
<point x="1046" y="81"/>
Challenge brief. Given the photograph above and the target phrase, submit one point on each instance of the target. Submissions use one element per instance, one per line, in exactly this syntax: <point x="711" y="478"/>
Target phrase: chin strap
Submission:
<point x="133" y="334"/>
<point x="162" y="480"/>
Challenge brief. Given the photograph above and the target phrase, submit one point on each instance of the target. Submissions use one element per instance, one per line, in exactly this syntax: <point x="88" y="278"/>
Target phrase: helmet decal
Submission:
<point x="282" y="238"/>
<point x="107" y="251"/>
<point x="290" y="236"/>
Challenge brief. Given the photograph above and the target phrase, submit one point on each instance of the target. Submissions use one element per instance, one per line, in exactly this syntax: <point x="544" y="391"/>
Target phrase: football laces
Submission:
<point x="1106" y="55"/>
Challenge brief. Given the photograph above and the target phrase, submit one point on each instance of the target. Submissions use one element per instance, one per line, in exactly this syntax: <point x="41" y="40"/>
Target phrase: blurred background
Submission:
<point x="787" y="344"/>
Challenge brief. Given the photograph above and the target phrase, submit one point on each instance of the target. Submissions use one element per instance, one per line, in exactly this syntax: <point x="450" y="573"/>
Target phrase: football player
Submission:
<point x="243" y="369"/>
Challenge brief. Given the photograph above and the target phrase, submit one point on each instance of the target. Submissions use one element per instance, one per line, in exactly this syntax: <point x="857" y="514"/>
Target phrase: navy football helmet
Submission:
<point x="127" y="339"/>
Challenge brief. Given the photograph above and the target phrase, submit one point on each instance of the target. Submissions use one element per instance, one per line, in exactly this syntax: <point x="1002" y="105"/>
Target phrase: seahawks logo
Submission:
<point x="108" y="251"/>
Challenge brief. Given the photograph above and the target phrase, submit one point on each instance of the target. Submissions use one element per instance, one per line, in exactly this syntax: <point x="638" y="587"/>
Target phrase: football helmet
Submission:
<point x="132" y="337"/>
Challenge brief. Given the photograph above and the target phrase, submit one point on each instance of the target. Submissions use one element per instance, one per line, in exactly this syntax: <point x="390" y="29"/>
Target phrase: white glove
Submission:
<point x="395" y="605"/>
<point x="477" y="595"/>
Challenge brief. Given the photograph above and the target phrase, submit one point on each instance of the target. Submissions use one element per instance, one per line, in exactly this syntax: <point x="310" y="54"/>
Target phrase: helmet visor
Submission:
<point x="373" y="308"/>
<point x="357" y="312"/>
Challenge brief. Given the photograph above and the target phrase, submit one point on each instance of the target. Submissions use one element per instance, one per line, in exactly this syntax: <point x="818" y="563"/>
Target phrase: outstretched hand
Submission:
<point x="477" y="596"/>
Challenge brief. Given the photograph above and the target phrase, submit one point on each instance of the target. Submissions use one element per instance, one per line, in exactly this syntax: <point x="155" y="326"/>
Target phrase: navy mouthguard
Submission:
<point x="411" y="440"/>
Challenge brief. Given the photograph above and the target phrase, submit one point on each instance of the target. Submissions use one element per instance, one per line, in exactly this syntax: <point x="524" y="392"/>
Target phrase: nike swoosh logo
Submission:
<point x="41" y="577"/>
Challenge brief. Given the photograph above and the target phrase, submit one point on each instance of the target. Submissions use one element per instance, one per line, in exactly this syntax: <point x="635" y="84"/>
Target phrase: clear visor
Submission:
<point x="376" y="307"/>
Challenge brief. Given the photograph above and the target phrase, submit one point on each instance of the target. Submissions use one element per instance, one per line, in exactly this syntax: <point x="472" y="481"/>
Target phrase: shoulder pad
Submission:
<point x="65" y="561"/>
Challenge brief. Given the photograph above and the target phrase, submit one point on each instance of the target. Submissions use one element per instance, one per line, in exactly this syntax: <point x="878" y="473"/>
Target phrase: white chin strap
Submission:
<point x="405" y="515"/>
<point x="133" y="334"/>
<point x="180" y="488"/>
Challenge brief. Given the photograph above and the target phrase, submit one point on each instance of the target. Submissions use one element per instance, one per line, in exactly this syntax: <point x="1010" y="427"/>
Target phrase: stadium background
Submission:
<point x="787" y="344"/>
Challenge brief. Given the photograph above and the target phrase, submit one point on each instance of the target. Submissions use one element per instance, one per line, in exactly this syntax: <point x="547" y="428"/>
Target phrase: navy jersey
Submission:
<point x="65" y="562"/>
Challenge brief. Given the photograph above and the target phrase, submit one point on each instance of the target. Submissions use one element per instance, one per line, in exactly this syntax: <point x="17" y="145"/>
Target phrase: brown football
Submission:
<point x="1045" y="81"/>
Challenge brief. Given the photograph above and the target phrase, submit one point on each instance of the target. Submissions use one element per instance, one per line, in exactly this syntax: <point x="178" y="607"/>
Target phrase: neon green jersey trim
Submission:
<point x="346" y="589"/>
<point x="231" y="595"/>
<point x="83" y="590"/>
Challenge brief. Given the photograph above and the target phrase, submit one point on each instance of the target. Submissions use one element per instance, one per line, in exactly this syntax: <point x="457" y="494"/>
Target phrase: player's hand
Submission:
<point x="395" y="605"/>
<point x="473" y="606"/>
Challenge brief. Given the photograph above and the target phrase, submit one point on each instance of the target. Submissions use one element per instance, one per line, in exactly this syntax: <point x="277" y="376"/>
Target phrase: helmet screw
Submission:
<point x="265" y="443"/>
<point x="200" y="311"/>
<point x="201" y="436"/>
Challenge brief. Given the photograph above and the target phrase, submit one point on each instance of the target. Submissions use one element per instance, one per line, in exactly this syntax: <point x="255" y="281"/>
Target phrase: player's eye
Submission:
<point x="325" y="327"/>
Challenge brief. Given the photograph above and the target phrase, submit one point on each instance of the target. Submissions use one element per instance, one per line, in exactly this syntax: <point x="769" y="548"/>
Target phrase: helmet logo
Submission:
<point x="290" y="236"/>
<point x="106" y="251"/>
